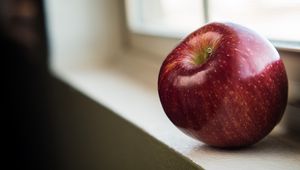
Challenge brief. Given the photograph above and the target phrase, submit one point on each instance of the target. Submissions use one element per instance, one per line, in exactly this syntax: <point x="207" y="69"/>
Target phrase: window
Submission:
<point x="276" y="19"/>
<point x="164" y="17"/>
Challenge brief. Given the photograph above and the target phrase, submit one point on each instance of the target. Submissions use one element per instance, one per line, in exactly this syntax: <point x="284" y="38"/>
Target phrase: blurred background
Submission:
<point x="37" y="35"/>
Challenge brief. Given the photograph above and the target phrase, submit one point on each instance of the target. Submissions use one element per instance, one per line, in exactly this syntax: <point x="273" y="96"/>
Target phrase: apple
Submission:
<point x="224" y="85"/>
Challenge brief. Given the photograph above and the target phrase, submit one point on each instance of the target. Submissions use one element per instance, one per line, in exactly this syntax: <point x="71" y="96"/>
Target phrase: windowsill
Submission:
<point x="130" y="92"/>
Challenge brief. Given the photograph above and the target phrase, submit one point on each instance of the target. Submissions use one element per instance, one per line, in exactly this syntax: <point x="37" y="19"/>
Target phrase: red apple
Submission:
<point x="224" y="85"/>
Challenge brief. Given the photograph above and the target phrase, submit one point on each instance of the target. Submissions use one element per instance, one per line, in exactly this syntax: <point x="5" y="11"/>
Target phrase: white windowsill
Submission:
<point x="130" y="92"/>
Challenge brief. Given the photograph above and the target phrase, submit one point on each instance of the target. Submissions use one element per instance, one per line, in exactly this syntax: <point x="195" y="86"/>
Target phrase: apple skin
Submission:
<point x="224" y="85"/>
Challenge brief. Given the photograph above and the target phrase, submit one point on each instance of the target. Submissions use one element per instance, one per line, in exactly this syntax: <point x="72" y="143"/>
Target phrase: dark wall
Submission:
<point x="25" y="79"/>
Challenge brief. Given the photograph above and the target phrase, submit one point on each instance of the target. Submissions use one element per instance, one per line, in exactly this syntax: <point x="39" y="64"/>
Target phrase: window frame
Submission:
<point x="136" y="36"/>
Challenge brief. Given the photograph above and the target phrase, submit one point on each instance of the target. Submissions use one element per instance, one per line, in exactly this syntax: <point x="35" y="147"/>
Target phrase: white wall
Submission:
<point x="83" y="31"/>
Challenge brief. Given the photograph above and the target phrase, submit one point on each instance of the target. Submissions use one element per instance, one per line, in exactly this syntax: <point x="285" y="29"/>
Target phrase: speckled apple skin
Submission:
<point x="233" y="99"/>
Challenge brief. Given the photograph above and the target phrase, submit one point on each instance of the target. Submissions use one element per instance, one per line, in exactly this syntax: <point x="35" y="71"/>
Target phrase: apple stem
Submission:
<point x="209" y="50"/>
<point x="207" y="54"/>
<point x="201" y="58"/>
